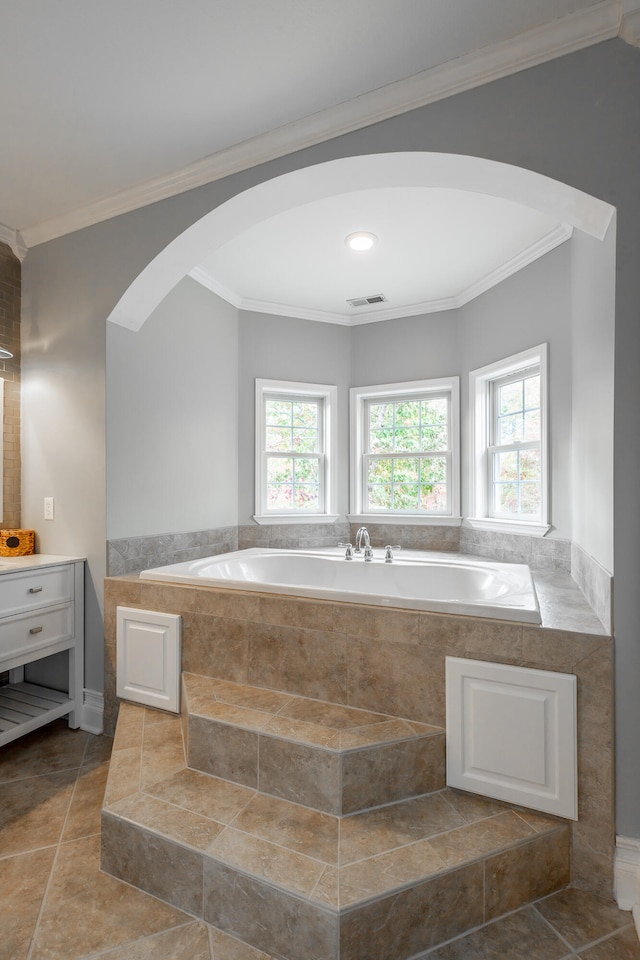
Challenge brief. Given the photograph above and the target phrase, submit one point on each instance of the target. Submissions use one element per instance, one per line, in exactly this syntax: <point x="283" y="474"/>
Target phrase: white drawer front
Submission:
<point x="35" y="588"/>
<point x="22" y="635"/>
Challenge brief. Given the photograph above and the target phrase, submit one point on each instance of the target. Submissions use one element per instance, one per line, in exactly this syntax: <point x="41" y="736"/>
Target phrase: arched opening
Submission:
<point x="180" y="387"/>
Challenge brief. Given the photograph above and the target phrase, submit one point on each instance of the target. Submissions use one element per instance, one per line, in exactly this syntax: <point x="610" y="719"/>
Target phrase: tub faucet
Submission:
<point x="348" y="553"/>
<point x="362" y="537"/>
<point x="388" y="552"/>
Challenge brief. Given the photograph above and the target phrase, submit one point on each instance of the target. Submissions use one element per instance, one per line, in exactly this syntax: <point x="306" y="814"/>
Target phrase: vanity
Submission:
<point x="41" y="613"/>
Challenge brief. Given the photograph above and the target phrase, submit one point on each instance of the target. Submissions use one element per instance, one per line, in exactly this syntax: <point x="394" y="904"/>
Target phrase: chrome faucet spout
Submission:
<point x="362" y="538"/>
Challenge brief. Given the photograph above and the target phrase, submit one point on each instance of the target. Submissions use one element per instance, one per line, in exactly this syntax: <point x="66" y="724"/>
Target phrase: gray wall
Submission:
<point x="282" y="348"/>
<point x="172" y="425"/>
<point x="575" y="119"/>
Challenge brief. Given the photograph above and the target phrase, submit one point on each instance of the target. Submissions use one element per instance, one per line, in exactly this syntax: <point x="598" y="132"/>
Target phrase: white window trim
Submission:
<point x="479" y="399"/>
<point x="329" y="395"/>
<point x="358" y="397"/>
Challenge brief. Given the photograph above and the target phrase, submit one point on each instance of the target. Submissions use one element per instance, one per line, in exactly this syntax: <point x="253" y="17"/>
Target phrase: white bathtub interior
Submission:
<point x="414" y="580"/>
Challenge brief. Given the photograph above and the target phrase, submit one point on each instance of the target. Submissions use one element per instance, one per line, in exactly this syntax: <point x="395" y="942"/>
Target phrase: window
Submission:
<point x="295" y="462"/>
<point x="509" y="457"/>
<point x="405" y="439"/>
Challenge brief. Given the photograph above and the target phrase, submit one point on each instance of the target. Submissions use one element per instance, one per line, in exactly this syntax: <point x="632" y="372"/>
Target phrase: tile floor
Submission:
<point x="57" y="905"/>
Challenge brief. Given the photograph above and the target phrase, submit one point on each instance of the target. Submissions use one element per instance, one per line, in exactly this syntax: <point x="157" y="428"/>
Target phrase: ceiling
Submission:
<point x="107" y="107"/>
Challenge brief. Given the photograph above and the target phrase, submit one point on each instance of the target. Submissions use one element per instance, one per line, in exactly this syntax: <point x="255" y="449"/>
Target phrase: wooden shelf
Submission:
<point x="25" y="707"/>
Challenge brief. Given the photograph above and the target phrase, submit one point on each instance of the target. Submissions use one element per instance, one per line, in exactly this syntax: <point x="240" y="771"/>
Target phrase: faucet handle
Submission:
<point x="388" y="552"/>
<point x="348" y="554"/>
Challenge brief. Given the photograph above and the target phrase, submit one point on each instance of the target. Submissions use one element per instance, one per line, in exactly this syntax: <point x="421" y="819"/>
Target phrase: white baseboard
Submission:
<point x="92" y="711"/>
<point x="627" y="876"/>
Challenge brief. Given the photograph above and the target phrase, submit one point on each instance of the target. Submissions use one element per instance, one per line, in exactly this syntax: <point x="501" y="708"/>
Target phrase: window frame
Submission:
<point x="326" y="395"/>
<point x="360" y="398"/>
<point x="482" y="384"/>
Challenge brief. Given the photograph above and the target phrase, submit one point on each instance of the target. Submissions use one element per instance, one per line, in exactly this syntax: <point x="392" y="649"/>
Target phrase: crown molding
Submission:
<point x="536" y="250"/>
<point x="630" y="22"/>
<point x="602" y="21"/>
<point x="13" y="239"/>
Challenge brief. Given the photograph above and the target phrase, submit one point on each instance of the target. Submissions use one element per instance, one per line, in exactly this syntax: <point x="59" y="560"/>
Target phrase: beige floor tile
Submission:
<point x="621" y="946"/>
<point x="86" y="911"/>
<point x="190" y="942"/>
<point x="33" y="811"/>
<point x="83" y="818"/>
<point x="202" y="794"/>
<point x="267" y="861"/>
<point x="374" y="832"/>
<point x="23" y="881"/>
<point x="379" y="875"/>
<point x="224" y="947"/>
<point x="521" y="935"/>
<point x="54" y="747"/>
<point x="171" y="821"/>
<point x="580" y="917"/>
<point x="477" y="839"/>
<point x="292" y="826"/>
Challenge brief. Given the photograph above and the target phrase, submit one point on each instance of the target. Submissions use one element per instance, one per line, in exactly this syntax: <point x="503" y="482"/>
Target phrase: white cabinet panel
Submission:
<point x="511" y="734"/>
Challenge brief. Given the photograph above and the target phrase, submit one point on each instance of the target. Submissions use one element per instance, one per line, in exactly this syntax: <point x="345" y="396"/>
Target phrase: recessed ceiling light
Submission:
<point x="360" y="241"/>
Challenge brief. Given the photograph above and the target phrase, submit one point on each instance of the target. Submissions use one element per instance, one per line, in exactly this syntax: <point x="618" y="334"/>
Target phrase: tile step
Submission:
<point x="304" y="884"/>
<point x="324" y="755"/>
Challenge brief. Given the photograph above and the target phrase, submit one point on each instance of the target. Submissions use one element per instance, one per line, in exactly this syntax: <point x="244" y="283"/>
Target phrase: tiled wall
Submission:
<point x="10" y="298"/>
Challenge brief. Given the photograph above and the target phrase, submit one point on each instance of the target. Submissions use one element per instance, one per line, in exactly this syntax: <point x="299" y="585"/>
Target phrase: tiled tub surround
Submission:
<point x="540" y="553"/>
<point x="392" y="662"/>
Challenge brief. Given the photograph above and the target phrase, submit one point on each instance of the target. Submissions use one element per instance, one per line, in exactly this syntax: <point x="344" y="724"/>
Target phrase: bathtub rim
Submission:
<point x="490" y="609"/>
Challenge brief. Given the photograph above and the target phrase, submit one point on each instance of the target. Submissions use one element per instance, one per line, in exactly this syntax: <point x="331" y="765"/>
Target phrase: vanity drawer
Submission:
<point x="35" y="588"/>
<point x="21" y="635"/>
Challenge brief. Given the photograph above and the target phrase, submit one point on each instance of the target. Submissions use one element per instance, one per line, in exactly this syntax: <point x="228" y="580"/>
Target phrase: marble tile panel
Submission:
<point x="239" y="694"/>
<point x="389" y="730"/>
<point x="124" y="774"/>
<point x="33" y="811"/>
<point x="391" y="772"/>
<point x="163" y="868"/>
<point x="398" y="679"/>
<point x="292" y="826"/>
<point x="562" y="650"/>
<point x="596" y="698"/>
<point x="74" y="925"/>
<point x="287" y="869"/>
<point x="162" y="751"/>
<point x="476" y="840"/>
<point x="203" y="794"/>
<point x="381" y="874"/>
<point x="310" y="663"/>
<point x="23" y="880"/>
<point x="130" y="727"/>
<point x="471" y="807"/>
<point x="327" y="889"/>
<point x="300" y="612"/>
<point x="505" y="938"/>
<point x="308" y="733"/>
<point x="266" y="917"/>
<point x="300" y="773"/>
<point x="98" y="749"/>
<point x="526" y="873"/>
<point x="51" y="748"/>
<point x="190" y="942"/>
<point x="224" y="947"/>
<point x="329" y="714"/>
<point x="231" y="754"/>
<point x="413" y="920"/>
<point x="215" y="646"/>
<point x="581" y="917"/>
<point x="377" y="831"/>
<point x="174" y="823"/>
<point x="621" y="946"/>
<point x="83" y="817"/>
<point x="493" y="640"/>
<point x="378" y="623"/>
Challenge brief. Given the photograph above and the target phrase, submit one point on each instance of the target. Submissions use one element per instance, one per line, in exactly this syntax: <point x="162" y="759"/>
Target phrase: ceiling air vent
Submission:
<point x="367" y="301"/>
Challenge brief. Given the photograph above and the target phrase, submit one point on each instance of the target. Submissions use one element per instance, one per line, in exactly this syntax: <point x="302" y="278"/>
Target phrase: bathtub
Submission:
<point x="414" y="580"/>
